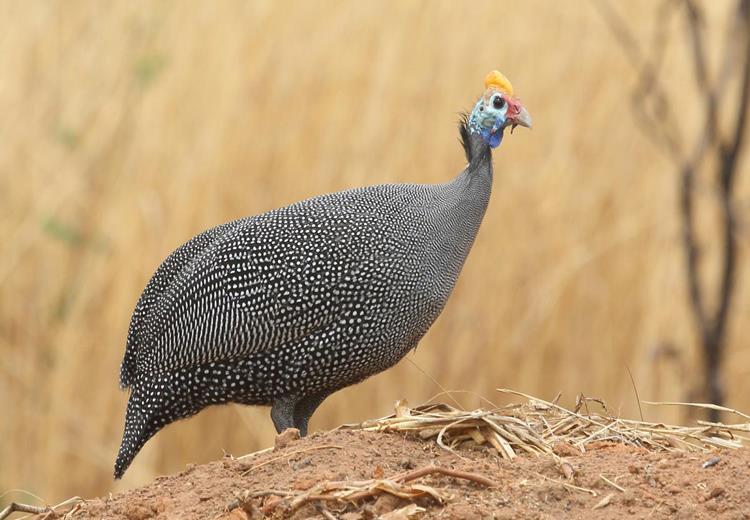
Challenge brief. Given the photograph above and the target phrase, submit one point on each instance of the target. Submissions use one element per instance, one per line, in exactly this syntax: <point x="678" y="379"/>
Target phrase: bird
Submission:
<point x="289" y="306"/>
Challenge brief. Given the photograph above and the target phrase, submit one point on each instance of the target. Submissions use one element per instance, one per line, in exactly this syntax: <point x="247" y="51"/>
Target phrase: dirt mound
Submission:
<point x="351" y="474"/>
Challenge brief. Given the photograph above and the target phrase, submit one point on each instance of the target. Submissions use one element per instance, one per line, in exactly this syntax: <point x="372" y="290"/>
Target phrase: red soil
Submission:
<point x="608" y="481"/>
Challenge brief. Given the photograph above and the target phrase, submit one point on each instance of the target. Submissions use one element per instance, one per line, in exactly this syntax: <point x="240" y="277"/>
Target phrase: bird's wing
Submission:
<point x="270" y="280"/>
<point x="160" y="281"/>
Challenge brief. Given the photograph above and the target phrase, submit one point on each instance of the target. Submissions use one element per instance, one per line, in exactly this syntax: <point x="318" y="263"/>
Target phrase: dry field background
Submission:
<point x="128" y="127"/>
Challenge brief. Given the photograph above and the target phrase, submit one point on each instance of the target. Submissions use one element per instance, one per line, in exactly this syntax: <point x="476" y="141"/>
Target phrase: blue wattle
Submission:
<point x="493" y="138"/>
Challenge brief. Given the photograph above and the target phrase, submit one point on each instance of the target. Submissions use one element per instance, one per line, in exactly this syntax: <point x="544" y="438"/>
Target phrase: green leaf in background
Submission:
<point x="68" y="137"/>
<point x="62" y="231"/>
<point x="149" y="67"/>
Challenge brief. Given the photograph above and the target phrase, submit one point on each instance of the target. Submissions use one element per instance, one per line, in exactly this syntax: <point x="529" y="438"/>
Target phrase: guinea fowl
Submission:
<point x="287" y="307"/>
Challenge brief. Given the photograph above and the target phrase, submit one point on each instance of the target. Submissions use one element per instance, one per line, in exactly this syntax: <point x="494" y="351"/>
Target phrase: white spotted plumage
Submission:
<point x="286" y="307"/>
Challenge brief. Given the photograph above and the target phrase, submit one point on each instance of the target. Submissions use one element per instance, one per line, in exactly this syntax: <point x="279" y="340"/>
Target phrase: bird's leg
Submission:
<point x="282" y="413"/>
<point x="304" y="410"/>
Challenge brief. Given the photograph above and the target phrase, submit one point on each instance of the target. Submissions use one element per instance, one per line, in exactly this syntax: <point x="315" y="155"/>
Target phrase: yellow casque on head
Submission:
<point x="497" y="80"/>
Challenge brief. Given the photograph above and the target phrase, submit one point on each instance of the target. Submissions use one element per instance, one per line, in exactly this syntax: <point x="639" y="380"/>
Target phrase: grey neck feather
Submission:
<point x="461" y="212"/>
<point x="474" y="184"/>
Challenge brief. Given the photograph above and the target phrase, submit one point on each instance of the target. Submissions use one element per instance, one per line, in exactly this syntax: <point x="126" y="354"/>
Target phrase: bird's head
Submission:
<point x="496" y="110"/>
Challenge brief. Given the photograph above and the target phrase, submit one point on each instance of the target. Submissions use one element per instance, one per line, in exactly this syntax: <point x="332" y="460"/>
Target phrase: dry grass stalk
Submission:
<point x="536" y="426"/>
<point x="46" y="511"/>
<point x="354" y="491"/>
<point x="285" y="455"/>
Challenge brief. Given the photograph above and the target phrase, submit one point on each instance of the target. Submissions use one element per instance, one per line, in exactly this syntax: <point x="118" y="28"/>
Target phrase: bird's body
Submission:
<point x="287" y="307"/>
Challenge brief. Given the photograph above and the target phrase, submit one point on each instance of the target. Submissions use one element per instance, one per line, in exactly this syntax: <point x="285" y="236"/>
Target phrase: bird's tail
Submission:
<point x="139" y="428"/>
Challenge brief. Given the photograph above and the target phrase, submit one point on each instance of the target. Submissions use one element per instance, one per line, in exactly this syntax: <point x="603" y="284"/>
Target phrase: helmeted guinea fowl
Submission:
<point x="287" y="307"/>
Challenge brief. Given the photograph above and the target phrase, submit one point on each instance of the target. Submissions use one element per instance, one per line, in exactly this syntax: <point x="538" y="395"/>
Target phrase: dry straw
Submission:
<point x="536" y="426"/>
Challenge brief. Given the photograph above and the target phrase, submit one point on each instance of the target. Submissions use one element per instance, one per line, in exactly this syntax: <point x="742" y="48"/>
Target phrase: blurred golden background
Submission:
<point x="128" y="127"/>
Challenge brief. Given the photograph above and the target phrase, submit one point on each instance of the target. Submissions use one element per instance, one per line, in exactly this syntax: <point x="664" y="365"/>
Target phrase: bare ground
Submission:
<point x="302" y="478"/>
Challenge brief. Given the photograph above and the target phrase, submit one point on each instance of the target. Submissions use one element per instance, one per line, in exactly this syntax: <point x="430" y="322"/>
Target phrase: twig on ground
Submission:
<point x="429" y="470"/>
<point x="604" y="502"/>
<point x="616" y="486"/>
<point x="15" y="507"/>
<point x="567" y="485"/>
<point x="400" y="485"/>
<point x="291" y="454"/>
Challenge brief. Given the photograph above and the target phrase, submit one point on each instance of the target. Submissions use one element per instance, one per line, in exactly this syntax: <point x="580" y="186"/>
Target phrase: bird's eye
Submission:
<point x="498" y="102"/>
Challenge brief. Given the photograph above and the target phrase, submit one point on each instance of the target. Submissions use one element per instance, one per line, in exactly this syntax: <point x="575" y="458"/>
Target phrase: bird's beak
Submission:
<point x="523" y="118"/>
<point x="517" y="115"/>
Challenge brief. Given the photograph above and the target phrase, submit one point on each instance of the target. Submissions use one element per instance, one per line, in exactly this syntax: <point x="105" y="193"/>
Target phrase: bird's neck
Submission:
<point x="470" y="194"/>
<point x="475" y="181"/>
<point x="456" y="218"/>
<point x="478" y="151"/>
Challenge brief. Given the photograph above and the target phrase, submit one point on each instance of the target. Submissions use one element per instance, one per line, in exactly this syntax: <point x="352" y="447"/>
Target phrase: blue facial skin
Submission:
<point x="488" y="122"/>
<point x="493" y="138"/>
